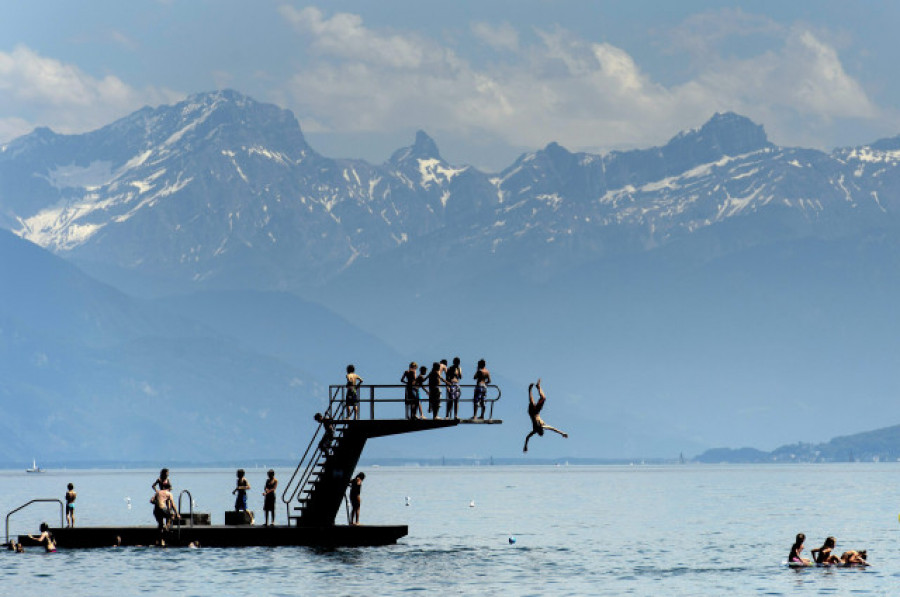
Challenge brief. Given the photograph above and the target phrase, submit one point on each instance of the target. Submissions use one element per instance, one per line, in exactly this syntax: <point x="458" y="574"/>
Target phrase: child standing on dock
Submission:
<point x="355" y="497"/>
<point x="70" y="506"/>
<point x="269" y="496"/>
<point x="243" y="486"/>
<point x="482" y="379"/>
<point x="353" y="383"/>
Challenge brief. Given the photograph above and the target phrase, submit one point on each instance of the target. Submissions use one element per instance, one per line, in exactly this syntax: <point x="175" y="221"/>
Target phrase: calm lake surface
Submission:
<point x="604" y="530"/>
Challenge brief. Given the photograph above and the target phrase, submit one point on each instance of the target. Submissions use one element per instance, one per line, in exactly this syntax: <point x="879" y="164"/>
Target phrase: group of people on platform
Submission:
<point x="416" y="378"/>
<point x="824" y="556"/>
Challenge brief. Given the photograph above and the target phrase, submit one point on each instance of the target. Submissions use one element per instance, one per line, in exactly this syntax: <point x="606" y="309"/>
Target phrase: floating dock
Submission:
<point x="313" y="495"/>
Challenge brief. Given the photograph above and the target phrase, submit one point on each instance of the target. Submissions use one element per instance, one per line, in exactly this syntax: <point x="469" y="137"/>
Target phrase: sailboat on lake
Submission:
<point x="34" y="468"/>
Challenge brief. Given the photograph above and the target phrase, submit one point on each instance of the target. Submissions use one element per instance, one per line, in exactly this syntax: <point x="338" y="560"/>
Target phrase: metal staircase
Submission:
<point x="315" y="491"/>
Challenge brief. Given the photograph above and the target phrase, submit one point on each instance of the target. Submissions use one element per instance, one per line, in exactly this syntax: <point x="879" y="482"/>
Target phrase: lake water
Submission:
<point x="604" y="530"/>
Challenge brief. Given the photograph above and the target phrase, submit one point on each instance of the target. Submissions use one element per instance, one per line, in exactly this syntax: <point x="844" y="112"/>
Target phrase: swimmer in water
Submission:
<point x="45" y="538"/>
<point x="534" y="412"/>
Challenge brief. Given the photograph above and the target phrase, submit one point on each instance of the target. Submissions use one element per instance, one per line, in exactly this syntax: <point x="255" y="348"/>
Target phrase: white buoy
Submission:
<point x="128" y="502"/>
<point x="472" y="504"/>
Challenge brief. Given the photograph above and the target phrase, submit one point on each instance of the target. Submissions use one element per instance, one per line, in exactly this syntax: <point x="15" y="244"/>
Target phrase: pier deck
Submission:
<point x="226" y="536"/>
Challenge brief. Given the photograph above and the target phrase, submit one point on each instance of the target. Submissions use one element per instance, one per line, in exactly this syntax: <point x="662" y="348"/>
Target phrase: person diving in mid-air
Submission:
<point x="534" y="412"/>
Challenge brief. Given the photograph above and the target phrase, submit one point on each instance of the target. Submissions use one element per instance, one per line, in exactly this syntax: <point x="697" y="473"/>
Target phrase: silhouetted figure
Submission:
<point x="534" y="412"/>
<point x="411" y="397"/>
<point x="269" y="496"/>
<point x="353" y="383"/>
<point x="327" y="433"/>
<point x="453" y="376"/>
<point x="70" y="505"/>
<point x="241" y="488"/>
<point x="355" y="497"/>
<point x="482" y="379"/>
<point x="434" y="390"/>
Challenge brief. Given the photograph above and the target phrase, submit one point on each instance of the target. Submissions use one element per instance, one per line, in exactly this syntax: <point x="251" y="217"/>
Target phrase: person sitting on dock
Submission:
<point x="164" y="510"/>
<point x="434" y="390"/>
<point x="411" y="399"/>
<point x="534" y="412"/>
<point x="70" y="506"/>
<point x="241" y="489"/>
<point x="353" y="383"/>
<point x="327" y="433"/>
<point x="823" y="555"/>
<point x="355" y="497"/>
<point x="453" y="375"/>
<point x="482" y="379"/>
<point x="269" y="496"/>
<point x="45" y="538"/>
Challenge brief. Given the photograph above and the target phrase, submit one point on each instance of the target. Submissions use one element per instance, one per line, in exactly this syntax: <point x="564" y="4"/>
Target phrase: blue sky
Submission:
<point x="488" y="80"/>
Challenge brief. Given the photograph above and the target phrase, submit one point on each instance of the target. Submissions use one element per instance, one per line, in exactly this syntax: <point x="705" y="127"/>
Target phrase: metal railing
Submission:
<point x="397" y="392"/>
<point x="313" y="453"/>
<point x="190" y="509"/>
<point x="25" y="505"/>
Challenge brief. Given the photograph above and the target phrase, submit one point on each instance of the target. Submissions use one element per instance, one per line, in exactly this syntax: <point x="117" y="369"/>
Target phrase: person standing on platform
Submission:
<point x="454" y="375"/>
<point x="269" y="496"/>
<point x="163" y="481"/>
<point x="482" y="379"/>
<point x="241" y="489"/>
<point x="434" y="390"/>
<point x="164" y="509"/>
<point x="411" y="397"/>
<point x="70" y="506"/>
<point x="355" y="497"/>
<point x="534" y="412"/>
<point x="353" y="383"/>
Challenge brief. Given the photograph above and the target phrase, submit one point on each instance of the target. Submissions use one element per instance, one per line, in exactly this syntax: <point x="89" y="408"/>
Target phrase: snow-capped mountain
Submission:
<point x="221" y="187"/>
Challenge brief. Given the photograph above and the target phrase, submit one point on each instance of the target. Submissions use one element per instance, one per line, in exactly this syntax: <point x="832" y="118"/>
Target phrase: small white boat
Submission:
<point x="34" y="468"/>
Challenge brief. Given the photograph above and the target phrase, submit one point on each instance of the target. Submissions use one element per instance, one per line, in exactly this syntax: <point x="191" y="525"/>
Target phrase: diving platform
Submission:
<point x="318" y="487"/>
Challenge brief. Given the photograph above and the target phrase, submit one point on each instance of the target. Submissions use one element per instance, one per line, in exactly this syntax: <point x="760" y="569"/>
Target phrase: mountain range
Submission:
<point x="715" y="289"/>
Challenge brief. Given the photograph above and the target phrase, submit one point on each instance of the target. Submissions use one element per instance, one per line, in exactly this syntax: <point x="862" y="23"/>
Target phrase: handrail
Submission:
<point x="190" y="503"/>
<point x="401" y="390"/>
<point x="25" y="505"/>
<point x="291" y="488"/>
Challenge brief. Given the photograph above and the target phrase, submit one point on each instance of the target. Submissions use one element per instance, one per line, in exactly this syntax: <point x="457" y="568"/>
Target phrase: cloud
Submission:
<point x="589" y="95"/>
<point x="500" y="37"/>
<point x="60" y="95"/>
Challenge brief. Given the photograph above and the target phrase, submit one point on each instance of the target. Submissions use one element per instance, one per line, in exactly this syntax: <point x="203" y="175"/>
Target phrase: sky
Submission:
<point x="488" y="80"/>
